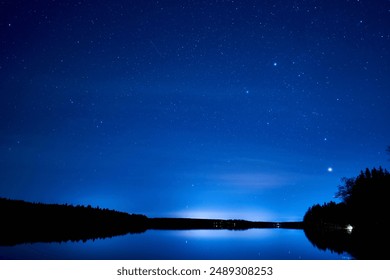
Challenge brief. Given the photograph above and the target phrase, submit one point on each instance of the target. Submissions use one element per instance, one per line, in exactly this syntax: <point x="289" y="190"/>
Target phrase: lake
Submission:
<point x="252" y="244"/>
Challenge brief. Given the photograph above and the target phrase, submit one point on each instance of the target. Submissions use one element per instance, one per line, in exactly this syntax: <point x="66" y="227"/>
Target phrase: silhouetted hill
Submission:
<point x="25" y="222"/>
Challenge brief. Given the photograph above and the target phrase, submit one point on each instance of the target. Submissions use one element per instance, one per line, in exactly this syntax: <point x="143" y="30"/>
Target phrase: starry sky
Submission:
<point x="209" y="109"/>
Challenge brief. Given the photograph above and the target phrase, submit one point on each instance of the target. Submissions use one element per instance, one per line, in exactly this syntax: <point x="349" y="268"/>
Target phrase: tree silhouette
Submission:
<point x="356" y="224"/>
<point x="364" y="201"/>
<point x="366" y="196"/>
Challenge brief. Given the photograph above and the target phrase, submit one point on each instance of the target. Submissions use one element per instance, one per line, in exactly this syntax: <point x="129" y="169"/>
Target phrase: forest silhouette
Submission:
<point x="358" y="224"/>
<point x="26" y="222"/>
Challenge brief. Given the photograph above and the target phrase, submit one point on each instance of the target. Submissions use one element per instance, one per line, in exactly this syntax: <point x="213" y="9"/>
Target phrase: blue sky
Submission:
<point x="223" y="109"/>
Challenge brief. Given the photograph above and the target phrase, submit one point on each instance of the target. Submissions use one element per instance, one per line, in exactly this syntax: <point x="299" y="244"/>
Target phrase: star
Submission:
<point x="275" y="64"/>
<point x="330" y="169"/>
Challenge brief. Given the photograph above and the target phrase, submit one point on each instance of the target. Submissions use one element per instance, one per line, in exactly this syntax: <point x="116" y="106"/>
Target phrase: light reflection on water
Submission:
<point x="251" y="244"/>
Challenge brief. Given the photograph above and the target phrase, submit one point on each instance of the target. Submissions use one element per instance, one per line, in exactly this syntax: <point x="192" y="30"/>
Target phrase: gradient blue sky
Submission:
<point x="212" y="109"/>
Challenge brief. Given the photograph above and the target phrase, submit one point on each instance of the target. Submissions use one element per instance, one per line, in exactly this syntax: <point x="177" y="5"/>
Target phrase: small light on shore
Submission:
<point x="349" y="228"/>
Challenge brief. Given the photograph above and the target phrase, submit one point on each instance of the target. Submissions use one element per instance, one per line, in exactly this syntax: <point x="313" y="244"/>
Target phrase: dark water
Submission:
<point x="272" y="244"/>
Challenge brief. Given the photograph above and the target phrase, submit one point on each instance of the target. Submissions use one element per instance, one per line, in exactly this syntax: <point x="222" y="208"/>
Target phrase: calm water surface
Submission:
<point x="272" y="244"/>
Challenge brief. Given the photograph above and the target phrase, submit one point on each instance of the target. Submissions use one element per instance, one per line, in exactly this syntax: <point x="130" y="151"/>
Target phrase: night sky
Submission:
<point x="208" y="109"/>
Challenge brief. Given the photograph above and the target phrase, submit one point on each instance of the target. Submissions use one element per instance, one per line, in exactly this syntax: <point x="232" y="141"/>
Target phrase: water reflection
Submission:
<point x="272" y="244"/>
<point x="361" y="243"/>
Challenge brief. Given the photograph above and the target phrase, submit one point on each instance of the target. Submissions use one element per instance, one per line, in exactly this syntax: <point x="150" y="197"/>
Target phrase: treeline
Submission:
<point x="356" y="224"/>
<point x="365" y="202"/>
<point x="328" y="215"/>
<point x="26" y="222"/>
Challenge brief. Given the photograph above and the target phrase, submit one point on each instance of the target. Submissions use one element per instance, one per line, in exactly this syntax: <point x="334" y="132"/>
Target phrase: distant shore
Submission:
<point x="26" y="222"/>
<point x="191" y="223"/>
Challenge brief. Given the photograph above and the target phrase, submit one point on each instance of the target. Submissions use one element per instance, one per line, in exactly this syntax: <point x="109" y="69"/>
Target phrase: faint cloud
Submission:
<point x="253" y="180"/>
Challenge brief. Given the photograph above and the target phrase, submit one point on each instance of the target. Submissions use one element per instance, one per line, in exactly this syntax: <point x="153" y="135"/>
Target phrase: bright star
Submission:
<point x="330" y="169"/>
<point x="275" y="64"/>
